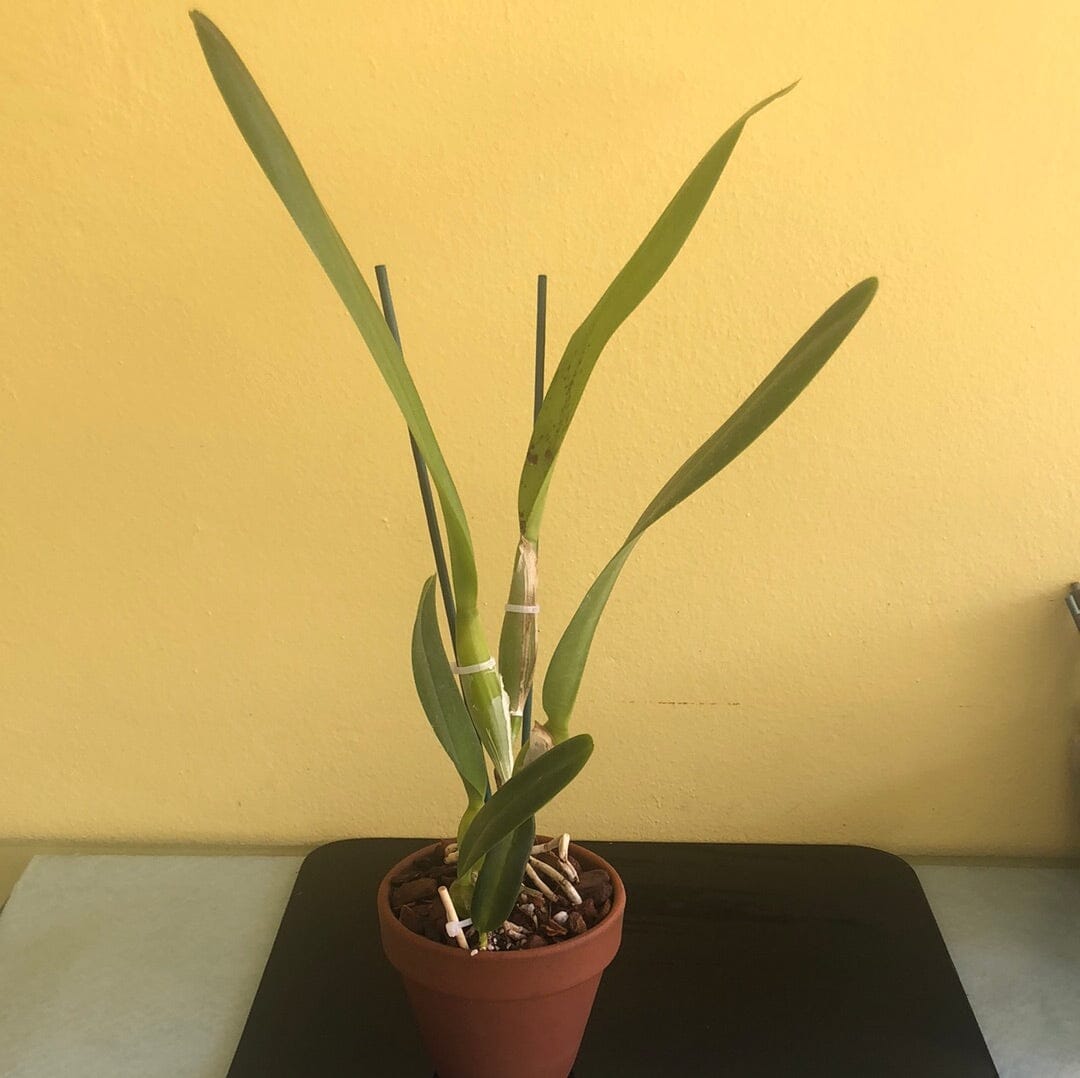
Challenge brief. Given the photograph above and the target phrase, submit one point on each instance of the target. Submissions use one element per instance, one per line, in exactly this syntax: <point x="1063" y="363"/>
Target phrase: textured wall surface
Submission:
<point x="211" y="543"/>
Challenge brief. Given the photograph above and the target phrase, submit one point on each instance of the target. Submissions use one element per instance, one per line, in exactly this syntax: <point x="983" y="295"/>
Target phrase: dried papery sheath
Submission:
<point x="540" y="741"/>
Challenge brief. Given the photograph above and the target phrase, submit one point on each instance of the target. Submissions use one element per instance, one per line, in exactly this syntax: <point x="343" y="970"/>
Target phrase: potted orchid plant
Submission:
<point x="494" y="916"/>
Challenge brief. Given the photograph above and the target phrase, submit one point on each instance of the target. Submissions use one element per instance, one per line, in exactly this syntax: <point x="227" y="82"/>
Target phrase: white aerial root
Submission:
<point x="451" y="915"/>
<point x="450" y="854"/>
<point x="553" y="873"/>
<point x="546" y="891"/>
<point x="561" y="848"/>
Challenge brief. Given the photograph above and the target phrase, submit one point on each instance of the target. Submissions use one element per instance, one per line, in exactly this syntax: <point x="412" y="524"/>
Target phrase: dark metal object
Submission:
<point x="1072" y="601"/>
<point x="538" y="399"/>
<point x="541" y="343"/>
<point x="744" y="960"/>
<point x="422" y="474"/>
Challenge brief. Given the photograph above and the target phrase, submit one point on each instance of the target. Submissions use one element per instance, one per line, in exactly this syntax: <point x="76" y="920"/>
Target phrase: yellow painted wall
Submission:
<point x="210" y="539"/>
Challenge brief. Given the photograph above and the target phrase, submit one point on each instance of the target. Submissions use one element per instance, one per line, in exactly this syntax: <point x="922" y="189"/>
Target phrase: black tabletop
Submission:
<point x="736" y="960"/>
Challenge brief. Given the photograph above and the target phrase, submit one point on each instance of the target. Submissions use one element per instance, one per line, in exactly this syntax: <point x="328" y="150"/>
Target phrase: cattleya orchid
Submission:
<point x="476" y="704"/>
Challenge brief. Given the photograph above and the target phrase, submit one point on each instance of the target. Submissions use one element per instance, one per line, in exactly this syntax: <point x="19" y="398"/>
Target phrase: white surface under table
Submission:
<point x="135" y="966"/>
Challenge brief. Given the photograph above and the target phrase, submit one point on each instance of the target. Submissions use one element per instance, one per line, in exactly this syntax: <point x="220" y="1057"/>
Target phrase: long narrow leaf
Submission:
<point x="780" y="387"/>
<point x="523" y="796"/>
<point x="268" y="142"/>
<point x="633" y="283"/>
<point x="499" y="882"/>
<point x="441" y="700"/>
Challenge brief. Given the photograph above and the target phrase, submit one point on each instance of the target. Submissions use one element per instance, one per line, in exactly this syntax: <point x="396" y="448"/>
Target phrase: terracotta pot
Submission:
<point x="502" y="1014"/>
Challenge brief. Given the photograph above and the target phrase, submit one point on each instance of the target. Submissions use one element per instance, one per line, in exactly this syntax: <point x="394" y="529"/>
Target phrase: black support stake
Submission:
<point x="422" y="475"/>
<point x="538" y="399"/>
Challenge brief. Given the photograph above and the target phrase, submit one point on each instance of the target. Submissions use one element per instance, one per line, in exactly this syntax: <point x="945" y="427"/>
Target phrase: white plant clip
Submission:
<point x="452" y="919"/>
<point x="476" y="668"/>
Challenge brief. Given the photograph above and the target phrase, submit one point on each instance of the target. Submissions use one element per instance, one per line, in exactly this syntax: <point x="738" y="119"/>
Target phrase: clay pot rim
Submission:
<point x="563" y="947"/>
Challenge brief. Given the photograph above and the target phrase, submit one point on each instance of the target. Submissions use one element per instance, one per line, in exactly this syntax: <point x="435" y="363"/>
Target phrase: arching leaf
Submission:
<point x="523" y="796"/>
<point x="438" y="691"/>
<point x="499" y="882"/>
<point x="632" y="284"/>
<point x="268" y="142"/>
<point x="780" y="387"/>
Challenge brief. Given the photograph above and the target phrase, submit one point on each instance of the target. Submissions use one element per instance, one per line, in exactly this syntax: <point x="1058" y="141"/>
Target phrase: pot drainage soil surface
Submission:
<point x="539" y="919"/>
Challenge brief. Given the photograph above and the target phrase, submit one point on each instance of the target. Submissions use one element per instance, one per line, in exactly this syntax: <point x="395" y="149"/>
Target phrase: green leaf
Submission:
<point x="633" y="283"/>
<point x="523" y="796"/>
<point x="499" y="882"/>
<point x="441" y="700"/>
<point x="780" y="387"/>
<point x="268" y="142"/>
